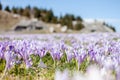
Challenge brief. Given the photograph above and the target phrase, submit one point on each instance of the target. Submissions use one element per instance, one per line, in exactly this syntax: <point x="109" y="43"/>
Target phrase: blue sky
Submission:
<point x="107" y="10"/>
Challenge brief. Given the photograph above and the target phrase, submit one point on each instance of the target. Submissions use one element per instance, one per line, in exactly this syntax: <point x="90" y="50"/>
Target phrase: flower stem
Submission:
<point x="4" y="73"/>
<point x="54" y="64"/>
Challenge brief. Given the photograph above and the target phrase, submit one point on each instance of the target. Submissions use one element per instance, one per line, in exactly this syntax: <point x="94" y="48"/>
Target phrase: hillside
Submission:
<point x="7" y="20"/>
<point x="96" y="26"/>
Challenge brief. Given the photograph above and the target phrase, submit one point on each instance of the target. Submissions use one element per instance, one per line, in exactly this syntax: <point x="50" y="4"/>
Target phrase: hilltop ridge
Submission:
<point x="9" y="21"/>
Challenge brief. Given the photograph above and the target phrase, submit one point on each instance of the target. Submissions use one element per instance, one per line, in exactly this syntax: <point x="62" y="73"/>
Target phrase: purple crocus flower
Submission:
<point x="118" y="73"/>
<point x="41" y="52"/>
<point x="9" y="57"/>
<point x="70" y="55"/>
<point x="2" y="50"/>
<point x="28" y="63"/>
<point x="92" y="55"/>
<point x="80" y="58"/>
<point x="56" y="55"/>
<point x="69" y="51"/>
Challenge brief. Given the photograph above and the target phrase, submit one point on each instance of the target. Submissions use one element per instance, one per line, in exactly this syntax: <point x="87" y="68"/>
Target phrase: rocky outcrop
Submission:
<point x="95" y="26"/>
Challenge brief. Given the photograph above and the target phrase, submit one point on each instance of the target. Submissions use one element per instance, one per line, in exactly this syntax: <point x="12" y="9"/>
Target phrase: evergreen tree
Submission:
<point x="78" y="26"/>
<point x="0" y="6"/>
<point x="14" y="10"/>
<point x="49" y="16"/>
<point x="28" y="7"/>
<point x="54" y="20"/>
<point x="113" y="28"/>
<point x="7" y="8"/>
<point x="20" y="11"/>
<point x="36" y="12"/>
<point x="26" y="13"/>
<point x="67" y="20"/>
<point x="78" y="18"/>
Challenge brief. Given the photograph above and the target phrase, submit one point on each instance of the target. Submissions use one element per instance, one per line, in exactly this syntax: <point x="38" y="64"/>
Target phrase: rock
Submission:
<point x="64" y="29"/>
<point x="51" y="29"/>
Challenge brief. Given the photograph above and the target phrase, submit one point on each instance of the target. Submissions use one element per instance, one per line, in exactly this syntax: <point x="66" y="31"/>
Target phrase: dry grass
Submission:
<point x="7" y="20"/>
<point x="44" y="74"/>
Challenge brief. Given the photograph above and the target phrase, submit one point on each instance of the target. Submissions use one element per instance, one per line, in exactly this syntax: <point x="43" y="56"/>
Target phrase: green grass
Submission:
<point x="19" y="72"/>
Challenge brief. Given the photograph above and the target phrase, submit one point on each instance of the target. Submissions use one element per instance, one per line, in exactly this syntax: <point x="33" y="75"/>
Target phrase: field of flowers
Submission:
<point x="38" y="56"/>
